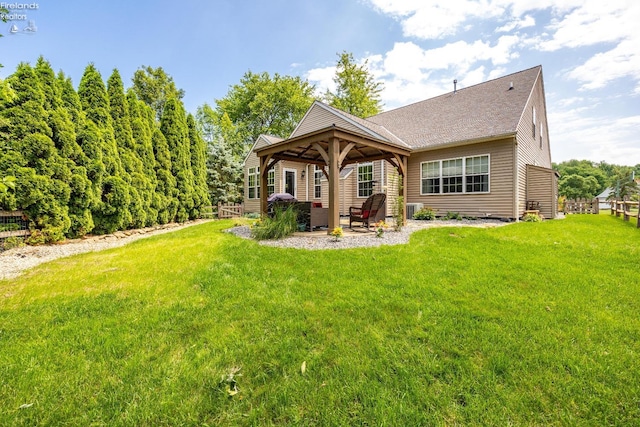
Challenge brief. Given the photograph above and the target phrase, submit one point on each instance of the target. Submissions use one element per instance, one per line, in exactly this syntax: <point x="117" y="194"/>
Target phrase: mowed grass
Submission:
<point x="527" y="324"/>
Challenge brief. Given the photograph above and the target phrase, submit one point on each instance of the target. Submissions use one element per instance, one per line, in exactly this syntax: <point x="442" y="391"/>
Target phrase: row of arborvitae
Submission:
<point x="95" y="160"/>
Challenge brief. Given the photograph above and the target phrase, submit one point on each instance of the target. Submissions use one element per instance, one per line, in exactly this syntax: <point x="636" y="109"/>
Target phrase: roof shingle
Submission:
<point x="484" y="110"/>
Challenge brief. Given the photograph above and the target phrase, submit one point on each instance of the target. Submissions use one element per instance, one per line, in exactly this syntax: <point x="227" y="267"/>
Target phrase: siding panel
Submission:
<point x="498" y="203"/>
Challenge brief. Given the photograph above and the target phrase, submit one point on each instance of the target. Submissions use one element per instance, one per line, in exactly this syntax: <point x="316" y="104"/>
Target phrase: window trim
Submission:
<point x="358" y="179"/>
<point x="464" y="176"/>
<point x="317" y="182"/>
<point x="271" y="181"/>
<point x="254" y="172"/>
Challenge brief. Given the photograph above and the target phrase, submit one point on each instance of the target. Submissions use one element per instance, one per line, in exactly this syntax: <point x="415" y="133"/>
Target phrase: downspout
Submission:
<point x="516" y="183"/>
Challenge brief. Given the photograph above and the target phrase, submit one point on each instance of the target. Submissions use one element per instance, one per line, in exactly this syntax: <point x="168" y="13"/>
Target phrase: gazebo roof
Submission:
<point x="312" y="148"/>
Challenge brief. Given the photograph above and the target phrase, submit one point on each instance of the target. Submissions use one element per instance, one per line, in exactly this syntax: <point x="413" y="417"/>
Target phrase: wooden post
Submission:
<point x="405" y="182"/>
<point x="334" y="184"/>
<point x="264" y="162"/>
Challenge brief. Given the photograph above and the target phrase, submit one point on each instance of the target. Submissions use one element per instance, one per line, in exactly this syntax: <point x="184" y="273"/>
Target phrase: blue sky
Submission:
<point x="589" y="51"/>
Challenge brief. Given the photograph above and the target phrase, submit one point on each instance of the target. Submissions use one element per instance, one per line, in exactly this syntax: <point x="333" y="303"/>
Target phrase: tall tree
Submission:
<point x="142" y="127"/>
<point x="166" y="199"/>
<point x="140" y="196"/>
<point x="73" y="158"/>
<point x="580" y="178"/>
<point x="261" y="104"/>
<point x="155" y="87"/>
<point x="42" y="176"/>
<point x="357" y="92"/>
<point x="112" y="211"/>
<point x="198" y="150"/>
<point x="224" y="156"/>
<point x="173" y="125"/>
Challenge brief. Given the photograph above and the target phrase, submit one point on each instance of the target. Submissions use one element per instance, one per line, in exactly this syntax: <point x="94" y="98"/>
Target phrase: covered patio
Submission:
<point x="334" y="148"/>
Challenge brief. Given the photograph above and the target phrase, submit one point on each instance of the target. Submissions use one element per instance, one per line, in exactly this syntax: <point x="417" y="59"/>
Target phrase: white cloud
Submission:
<point x="517" y="24"/>
<point x="322" y="78"/>
<point x="604" y="67"/>
<point x="593" y="23"/>
<point x="436" y="18"/>
<point x="595" y="137"/>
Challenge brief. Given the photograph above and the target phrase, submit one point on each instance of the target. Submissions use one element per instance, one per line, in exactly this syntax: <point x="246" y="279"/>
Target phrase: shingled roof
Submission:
<point x="485" y="110"/>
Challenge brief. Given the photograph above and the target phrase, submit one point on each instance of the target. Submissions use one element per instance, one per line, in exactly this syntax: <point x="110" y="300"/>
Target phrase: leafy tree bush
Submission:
<point x="425" y="214"/>
<point x="357" y="92"/>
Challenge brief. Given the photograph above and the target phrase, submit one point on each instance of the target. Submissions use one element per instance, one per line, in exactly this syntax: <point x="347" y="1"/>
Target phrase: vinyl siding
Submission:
<point x="541" y="187"/>
<point x="253" y="205"/>
<point x="319" y="118"/>
<point x="498" y="203"/>
<point x="529" y="150"/>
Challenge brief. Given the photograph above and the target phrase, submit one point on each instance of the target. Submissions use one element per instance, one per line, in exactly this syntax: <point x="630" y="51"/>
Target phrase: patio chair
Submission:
<point x="371" y="211"/>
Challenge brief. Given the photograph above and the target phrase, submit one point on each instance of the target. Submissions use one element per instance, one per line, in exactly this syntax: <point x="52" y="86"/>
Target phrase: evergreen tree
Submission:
<point x="199" y="167"/>
<point x="132" y="164"/>
<point x="142" y="127"/>
<point x="224" y="174"/>
<point x="111" y="212"/>
<point x="173" y="125"/>
<point x="166" y="191"/>
<point x="64" y="138"/>
<point x="42" y="176"/>
<point x="224" y="156"/>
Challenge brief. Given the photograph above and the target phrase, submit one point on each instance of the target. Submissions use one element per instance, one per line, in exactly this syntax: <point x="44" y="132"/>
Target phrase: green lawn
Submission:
<point x="528" y="324"/>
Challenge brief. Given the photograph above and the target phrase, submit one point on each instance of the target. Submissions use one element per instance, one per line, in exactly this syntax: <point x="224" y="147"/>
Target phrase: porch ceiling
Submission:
<point x="313" y="148"/>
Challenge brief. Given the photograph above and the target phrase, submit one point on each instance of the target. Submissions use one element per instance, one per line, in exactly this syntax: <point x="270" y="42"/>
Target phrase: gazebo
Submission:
<point x="335" y="148"/>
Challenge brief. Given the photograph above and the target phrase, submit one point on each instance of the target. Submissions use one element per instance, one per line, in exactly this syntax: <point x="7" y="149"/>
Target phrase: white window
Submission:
<point x="534" y="122"/>
<point x="365" y="179"/>
<point x="477" y="174"/>
<point x="431" y="178"/>
<point x="541" y="133"/>
<point x="254" y="182"/>
<point x="317" y="182"/>
<point x="271" y="182"/>
<point x="451" y="176"/>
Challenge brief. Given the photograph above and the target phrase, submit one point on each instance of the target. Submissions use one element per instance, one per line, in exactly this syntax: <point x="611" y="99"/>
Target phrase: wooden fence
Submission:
<point x="623" y="207"/>
<point x="233" y="210"/>
<point x="582" y="206"/>
<point x="13" y="224"/>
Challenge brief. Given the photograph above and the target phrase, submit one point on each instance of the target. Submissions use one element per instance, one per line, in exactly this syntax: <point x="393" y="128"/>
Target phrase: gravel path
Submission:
<point x="363" y="238"/>
<point x="15" y="261"/>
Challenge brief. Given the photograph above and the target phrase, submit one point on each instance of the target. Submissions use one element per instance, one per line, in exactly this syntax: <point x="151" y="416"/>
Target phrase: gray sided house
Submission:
<point x="480" y="151"/>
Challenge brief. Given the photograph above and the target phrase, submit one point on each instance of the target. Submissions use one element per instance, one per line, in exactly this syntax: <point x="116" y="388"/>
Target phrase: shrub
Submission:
<point x="452" y="215"/>
<point x="531" y="217"/>
<point x="425" y="214"/>
<point x="284" y="223"/>
<point x="12" y="242"/>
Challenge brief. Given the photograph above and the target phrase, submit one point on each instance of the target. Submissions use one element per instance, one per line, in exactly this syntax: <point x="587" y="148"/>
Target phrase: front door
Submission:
<point x="290" y="182"/>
